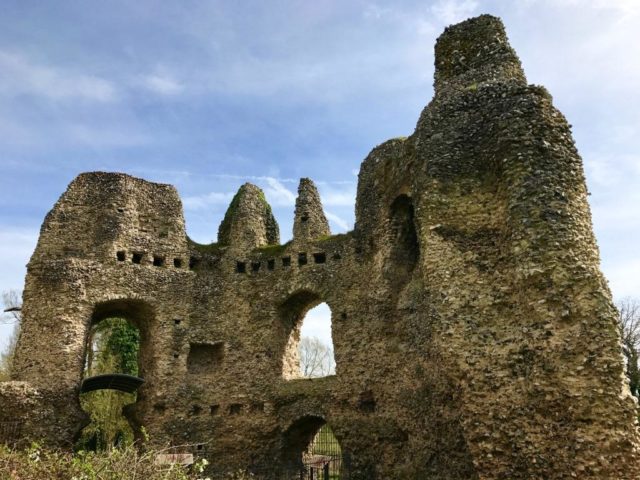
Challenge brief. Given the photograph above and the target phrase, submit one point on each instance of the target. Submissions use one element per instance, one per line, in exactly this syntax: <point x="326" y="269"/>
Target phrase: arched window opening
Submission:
<point x="113" y="347"/>
<point x="311" y="448"/>
<point x="309" y="351"/>
<point x="405" y="249"/>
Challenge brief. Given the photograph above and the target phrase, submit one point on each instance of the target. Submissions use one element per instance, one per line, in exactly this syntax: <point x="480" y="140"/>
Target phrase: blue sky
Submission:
<point x="207" y="95"/>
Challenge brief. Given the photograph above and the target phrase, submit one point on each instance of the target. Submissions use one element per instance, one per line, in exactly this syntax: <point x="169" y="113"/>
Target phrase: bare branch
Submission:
<point x="629" y="323"/>
<point x="12" y="306"/>
<point x="316" y="358"/>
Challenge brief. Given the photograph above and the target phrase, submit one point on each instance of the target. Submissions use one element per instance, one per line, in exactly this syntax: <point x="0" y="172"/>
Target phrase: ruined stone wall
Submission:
<point x="474" y="334"/>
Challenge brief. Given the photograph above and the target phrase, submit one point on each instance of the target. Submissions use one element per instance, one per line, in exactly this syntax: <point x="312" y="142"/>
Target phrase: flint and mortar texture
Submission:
<point x="474" y="333"/>
<point x="309" y="222"/>
<point x="249" y="221"/>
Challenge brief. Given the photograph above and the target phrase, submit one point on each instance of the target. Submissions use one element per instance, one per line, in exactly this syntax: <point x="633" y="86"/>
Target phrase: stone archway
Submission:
<point x="292" y="314"/>
<point x="309" y="446"/>
<point x="108" y="391"/>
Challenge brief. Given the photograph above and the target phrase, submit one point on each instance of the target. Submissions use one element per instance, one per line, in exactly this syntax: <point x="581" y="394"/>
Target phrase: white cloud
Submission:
<point x="453" y="11"/>
<point x="277" y="194"/>
<point x="339" y="221"/>
<point x="20" y="76"/>
<point x="317" y="323"/>
<point x="199" y="202"/>
<point x="339" y="198"/>
<point x="162" y="84"/>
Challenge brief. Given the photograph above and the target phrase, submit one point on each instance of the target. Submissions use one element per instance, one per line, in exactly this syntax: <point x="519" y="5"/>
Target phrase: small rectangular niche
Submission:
<point x="286" y="261"/>
<point x="271" y="264"/>
<point x="121" y="255"/>
<point x="196" y="409"/>
<point x="367" y="402"/>
<point x="235" y="409"/>
<point x="255" y="266"/>
<point x="193" y="262"/>
<point x="319" y="257"/>
<point x="205" y="358"/>
<point x="177" y="321"/>
<point x="214" y="409"/>
<point x="137" y="257"/>
<point x="177" y="262"/>
<point x="257" y="407"/>
<point x="158" y="261"/>
<point x="336" y="256"/>
<point x="302" y="259"/>
<point x="241" y="267"/>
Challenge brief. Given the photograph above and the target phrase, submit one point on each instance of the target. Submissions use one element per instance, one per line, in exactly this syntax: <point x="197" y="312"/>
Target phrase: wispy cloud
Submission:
<point x="339" y="198"/>
<point x="200" y="202"/>
<point x="161" y="83"/>
<point x="342" y="224"/>
<point x="21" y="76"/>
<point x="452" y="11"/>
<point x="277" y="194"/>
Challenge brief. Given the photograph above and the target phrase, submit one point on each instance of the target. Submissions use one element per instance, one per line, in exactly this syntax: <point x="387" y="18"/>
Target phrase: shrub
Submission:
<point x="37" y="463"/>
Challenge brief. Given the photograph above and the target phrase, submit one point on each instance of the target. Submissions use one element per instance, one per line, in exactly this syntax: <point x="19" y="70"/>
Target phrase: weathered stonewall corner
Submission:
<point x="474" y="333"/>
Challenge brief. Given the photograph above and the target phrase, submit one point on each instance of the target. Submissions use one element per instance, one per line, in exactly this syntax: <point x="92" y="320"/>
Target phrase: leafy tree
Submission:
<point x="629" y="318"/>
<point x="113" y="348"/>
<point x="316" y="358"/>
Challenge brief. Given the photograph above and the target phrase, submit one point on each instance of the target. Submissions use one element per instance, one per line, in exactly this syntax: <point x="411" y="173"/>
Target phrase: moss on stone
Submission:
<point x="211" y="249"/>
<point x="272" y="250"/>
<point x="225" y="225"/>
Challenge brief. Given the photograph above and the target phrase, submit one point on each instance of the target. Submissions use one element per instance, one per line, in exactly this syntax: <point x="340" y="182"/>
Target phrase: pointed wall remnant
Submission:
<point x="249" y="221"/>
<point x="310" y="222"/>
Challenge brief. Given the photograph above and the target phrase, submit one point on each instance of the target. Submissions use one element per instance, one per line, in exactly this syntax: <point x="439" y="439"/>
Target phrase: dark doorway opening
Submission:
<point x="311" y="448"/>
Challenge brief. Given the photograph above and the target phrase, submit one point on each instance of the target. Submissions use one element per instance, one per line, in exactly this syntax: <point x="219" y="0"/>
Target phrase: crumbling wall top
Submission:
<point x="475" y="51"/>
<point x="249" y="221"/>
<point x="310" y="222"/>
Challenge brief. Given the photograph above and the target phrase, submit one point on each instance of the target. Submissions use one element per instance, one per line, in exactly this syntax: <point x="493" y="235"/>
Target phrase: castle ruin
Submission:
<point x="474" y="334"/>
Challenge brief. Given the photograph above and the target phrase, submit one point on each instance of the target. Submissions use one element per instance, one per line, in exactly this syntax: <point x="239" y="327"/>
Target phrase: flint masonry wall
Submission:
<point x="474" y="334"/>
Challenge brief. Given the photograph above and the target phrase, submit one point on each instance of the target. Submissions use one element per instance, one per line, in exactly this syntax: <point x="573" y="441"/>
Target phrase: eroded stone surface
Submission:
<point x="474" y="333"/>
<point x="310" y="222"/>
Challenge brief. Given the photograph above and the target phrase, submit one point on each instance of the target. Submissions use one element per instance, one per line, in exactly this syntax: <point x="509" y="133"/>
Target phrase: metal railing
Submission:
<point x="10" y="432"/>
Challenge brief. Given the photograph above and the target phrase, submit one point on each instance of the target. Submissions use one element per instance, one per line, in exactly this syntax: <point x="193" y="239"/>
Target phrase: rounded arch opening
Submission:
<point x="309" y="351"/>
<point x="115" y="344"/>
<point x="405" y="247"/>
<point x="309" y="445"/>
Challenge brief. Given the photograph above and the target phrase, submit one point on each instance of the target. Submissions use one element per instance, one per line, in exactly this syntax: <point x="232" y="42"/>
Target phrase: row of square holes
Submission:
<point x="232" y="409"/>
<point x="241" y="267"/>
<point x="137" y="257"/>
